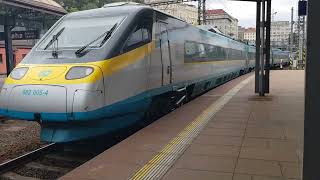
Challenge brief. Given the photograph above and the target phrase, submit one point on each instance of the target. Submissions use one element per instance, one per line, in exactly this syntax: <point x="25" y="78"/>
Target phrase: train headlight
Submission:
<point x="18" y="73"/>
<point x="79" y="72"/>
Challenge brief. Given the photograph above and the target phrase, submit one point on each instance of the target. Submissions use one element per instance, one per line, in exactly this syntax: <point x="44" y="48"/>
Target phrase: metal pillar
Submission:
<point x="258" y="43"/>
<point x="267" y="48"/>
<point x="199" y="11"/>
<point x="204" y="13"/>
<point x="311" y="155"/>
<point x="291" y="35"/>
<point x="301" y="33"/>
<point x="262" y="47"/>
<point x="263" y="26"/>
<point x="8" y="25"/>
<point x="202" y="17"/>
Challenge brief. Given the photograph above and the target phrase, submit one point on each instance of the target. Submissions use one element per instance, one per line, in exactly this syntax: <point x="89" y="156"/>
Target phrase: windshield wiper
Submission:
<point x="80" y="52"/>
<point x="54" y="38"/>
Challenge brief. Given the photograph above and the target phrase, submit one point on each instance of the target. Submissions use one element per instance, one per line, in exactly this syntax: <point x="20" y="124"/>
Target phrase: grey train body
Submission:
<point x="151" y="64"/>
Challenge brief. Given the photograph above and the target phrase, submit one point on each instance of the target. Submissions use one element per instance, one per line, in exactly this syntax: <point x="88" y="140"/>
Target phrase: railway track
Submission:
<point x="55" y="160"/>
<point x="48" y="162"/>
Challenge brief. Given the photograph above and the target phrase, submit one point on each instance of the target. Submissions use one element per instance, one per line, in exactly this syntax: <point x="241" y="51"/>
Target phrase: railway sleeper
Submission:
<point x="37" y="170"/>
<point x="15" y="176"/>
<point x="62" y="161"/>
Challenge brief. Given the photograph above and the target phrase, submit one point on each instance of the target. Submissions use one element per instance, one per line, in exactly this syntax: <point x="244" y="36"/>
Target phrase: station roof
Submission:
<point x="45" y="6"/>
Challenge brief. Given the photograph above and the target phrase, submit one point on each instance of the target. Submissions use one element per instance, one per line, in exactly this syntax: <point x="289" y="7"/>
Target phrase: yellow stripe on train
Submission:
<point x="59" y="71"/>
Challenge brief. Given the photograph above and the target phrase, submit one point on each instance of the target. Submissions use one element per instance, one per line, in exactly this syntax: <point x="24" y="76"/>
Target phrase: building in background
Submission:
<point x="241" y="33"/>
<point x="249" y="35"/>
<point x="280" y="33"/>
<point x="20" y="50"/>
<point x="186" y="12"/>
<point x="223" y="21"/>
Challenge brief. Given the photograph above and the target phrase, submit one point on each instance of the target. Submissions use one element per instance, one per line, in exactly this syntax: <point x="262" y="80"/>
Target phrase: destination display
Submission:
<point x="22" y="35"/>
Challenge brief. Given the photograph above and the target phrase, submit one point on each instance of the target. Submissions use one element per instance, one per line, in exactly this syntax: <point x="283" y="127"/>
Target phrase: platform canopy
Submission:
<point x="44" y="6"/>
<point x="27" y="13"/>
<point x="26" y="17"/>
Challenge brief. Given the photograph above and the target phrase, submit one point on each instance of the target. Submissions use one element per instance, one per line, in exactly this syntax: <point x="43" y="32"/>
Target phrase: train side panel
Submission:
<point x="204" y="56"/>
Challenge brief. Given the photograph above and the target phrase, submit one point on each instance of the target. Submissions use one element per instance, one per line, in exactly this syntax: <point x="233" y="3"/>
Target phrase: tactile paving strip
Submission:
<point x="162" y="162"/>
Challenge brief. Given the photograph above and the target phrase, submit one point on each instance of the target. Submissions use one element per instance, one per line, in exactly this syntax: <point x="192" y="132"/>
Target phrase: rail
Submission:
<point x="30" y="156"/>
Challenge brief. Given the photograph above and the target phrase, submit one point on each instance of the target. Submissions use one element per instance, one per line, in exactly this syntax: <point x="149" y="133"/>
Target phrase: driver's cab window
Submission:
<point x="141" y="35"/>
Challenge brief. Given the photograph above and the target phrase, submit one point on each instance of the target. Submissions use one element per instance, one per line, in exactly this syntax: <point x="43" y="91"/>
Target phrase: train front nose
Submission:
<point x="34" y="93"/>
<point x="35" y="102"/>
<point x="46" y="93"/>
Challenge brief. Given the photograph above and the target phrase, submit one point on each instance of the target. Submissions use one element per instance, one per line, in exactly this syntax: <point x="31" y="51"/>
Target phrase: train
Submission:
<point x="100" y="70"/>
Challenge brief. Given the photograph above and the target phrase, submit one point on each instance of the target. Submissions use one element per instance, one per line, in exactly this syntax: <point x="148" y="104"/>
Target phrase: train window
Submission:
<point x="140" y="36"/>
<point x="77" y="32"/>
<point x="190" y="49"/>
<point x="136" y="37"/>
<point x="1" y="60"/>
<point x="147" y="24"/>
<point x="200" y="52"/>
<point x="235" y="54"/>
<point x="221" y="53"/>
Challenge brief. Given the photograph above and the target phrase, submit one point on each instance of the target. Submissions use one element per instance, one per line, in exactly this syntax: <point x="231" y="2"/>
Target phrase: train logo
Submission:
<point x="44" y="74"/>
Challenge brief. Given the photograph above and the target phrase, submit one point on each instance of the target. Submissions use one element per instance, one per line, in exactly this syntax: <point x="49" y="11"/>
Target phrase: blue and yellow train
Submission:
<point x="101" y="70"/>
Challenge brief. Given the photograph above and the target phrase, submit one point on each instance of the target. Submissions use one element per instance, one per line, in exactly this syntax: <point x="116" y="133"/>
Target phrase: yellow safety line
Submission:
<point x="162" y="161"/>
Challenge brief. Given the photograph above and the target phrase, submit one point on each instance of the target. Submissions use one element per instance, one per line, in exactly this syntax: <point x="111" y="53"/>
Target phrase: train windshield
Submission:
<point x="73" y="33"/>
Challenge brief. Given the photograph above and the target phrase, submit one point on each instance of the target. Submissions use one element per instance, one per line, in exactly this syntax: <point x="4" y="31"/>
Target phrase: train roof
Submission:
<point x="108" y="9"/>
<point x="119" y="8"/>
<point x="127" y="8"/>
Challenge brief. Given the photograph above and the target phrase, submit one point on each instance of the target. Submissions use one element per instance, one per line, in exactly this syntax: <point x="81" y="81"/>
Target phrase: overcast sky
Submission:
<point x="245" y="11"/>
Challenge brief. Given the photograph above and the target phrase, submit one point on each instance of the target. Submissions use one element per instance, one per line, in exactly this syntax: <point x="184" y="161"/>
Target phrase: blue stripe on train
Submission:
<point x="79" y="131"/>
<point x="133" y="104"/>
<point x="110" y="118"/>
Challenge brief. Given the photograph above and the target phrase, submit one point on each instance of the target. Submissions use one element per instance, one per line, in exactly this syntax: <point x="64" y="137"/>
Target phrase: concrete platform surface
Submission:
<point x="226" y="134"/>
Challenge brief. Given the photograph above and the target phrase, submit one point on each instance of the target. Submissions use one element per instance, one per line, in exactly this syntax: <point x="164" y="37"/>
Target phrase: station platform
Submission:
<point x="226" y="134"/>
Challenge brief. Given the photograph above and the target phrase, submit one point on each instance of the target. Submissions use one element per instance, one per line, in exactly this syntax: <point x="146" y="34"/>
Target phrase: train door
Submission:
<point x="165" y="54"/>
